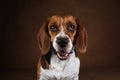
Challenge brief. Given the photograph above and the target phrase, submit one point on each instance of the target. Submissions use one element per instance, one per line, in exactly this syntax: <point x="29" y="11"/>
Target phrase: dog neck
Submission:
<point x="58" y="64"/>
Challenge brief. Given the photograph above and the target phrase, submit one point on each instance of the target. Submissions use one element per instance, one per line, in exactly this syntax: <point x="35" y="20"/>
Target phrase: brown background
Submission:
<point x="20" y="21"/>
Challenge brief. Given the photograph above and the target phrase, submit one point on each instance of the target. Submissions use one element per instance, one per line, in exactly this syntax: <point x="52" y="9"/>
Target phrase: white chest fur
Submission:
<point x="61" y="70"/>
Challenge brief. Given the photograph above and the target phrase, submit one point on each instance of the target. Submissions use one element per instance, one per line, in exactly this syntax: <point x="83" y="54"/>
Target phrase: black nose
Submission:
<point x="62" y="42"/>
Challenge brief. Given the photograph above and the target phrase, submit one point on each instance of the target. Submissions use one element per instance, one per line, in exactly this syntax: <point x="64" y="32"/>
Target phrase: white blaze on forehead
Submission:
<point x="62" y="33"/>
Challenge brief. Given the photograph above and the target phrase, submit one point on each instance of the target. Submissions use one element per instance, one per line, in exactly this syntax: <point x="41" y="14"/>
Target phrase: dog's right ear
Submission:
<point x="43" y="39"/>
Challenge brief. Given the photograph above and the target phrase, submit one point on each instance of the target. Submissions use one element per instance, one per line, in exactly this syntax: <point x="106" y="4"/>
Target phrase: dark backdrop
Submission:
<point x="20" y="21"/>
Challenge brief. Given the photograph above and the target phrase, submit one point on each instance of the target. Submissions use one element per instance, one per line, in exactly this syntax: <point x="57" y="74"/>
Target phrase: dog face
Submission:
<point x="63" y="33"/>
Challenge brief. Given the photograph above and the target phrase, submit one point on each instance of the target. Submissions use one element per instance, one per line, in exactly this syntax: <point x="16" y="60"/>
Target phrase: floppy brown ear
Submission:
<point x="81" y="38"/>
<point x="43" y="39"/>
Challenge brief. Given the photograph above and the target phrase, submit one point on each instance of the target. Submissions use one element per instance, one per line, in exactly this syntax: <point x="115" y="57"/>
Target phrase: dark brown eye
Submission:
<point x="53" y="28"/>
<point x="71" y="27"/>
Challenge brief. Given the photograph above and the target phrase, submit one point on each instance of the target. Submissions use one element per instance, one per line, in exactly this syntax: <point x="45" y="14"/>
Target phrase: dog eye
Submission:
<point x="53" y="28"/>
<point x="71" y="27"/>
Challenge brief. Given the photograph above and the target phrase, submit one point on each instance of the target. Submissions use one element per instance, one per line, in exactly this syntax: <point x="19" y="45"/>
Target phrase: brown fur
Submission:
<point x="43" y="39"/>
<point x="81" y="38"/>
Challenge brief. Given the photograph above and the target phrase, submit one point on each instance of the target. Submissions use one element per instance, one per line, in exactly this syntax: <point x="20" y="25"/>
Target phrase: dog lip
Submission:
<point x="62" y="55"/>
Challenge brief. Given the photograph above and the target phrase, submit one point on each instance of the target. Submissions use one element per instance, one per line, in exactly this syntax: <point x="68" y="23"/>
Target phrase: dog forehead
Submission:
<point x="61" y="20"/>
<point x="54" y="19"/>
<point x="69" y="18"/>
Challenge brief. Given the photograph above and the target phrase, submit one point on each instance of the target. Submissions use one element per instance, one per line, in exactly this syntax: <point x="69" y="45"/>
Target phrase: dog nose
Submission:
<point x="62" y="42"/>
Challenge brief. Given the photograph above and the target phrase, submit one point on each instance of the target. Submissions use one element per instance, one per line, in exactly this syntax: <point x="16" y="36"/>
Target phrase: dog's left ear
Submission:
<point x="81" y="38"/>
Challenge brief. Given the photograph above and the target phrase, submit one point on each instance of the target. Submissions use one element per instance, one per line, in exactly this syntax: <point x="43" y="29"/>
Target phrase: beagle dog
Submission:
<point x="61" y="39"/>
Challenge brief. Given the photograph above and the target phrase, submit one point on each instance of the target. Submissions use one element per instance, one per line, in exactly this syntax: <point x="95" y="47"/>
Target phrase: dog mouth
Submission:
<point x="63" y="55"/>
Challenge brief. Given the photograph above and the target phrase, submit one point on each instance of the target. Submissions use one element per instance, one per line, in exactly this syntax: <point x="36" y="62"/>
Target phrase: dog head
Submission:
<point x="63" y="34"/>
